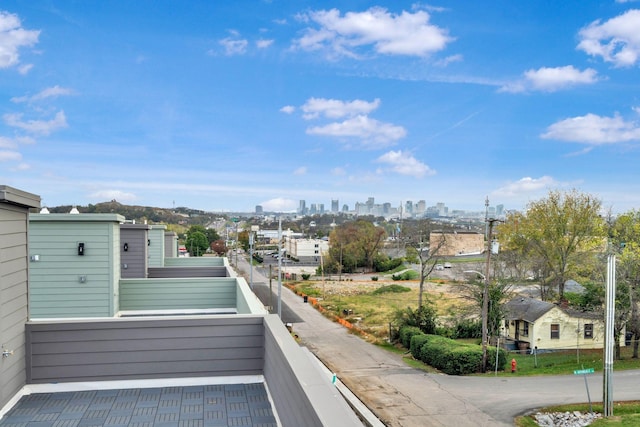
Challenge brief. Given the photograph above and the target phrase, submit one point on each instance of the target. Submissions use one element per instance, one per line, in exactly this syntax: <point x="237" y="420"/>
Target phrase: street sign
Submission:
<point x="583" y="371"/>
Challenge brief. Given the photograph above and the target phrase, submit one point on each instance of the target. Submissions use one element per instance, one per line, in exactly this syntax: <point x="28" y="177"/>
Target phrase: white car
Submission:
<point x="447" y="265"/>
<point x="439" y="267"/>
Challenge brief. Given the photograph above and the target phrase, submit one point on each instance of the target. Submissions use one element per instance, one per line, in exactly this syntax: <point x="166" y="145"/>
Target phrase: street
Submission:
<point x="402" y="396"/>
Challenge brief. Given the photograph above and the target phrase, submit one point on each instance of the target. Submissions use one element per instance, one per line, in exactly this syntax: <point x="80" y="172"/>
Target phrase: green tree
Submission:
<point x="557" y="233"/>
<point x="625" y="238"/>
<point x="354" y="244"/>
<point x="196" y="243"/>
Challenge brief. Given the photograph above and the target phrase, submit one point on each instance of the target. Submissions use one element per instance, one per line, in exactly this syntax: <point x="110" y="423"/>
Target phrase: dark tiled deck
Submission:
<point x="192" y="406"/>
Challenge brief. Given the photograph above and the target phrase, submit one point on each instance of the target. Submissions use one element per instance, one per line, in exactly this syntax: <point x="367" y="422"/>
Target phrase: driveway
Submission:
<point x="406" y="397"/>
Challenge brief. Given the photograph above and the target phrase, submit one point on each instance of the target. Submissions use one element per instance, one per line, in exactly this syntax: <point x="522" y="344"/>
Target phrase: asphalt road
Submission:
<point x="406" y="397"/>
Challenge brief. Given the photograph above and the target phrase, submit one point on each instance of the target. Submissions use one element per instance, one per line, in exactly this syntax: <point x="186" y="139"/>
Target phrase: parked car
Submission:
<point x="439" y="267"/>
<point x="447" y="265"/>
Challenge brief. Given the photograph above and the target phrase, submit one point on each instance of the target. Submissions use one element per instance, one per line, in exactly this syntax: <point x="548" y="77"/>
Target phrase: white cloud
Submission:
<point x="302" y="170"/>
<point x="449" y="60"/>
<point x="25" y="68"/>
<point x="13" y="142"/>
<point x="39" y="127"/>
<point x="526" y="185"/>
<point x="50" y="92"/>
<point x="335" y="109"/>
<point x="12" y="38"/>
<point x="288" y="109"/>
<point x="7" y="143"/>
<point x="262" y="43"/>
<point x="121" y="196"/>
<point x="279" y="205"/>
<point x="387" y="33"/>
<point x="371" y="133"/>
<point x="8" y="156"/>
<point x="616" y="40"/>
<point x="592" y="129"/>
<point x="552" y="79"/>
<point x="404" y="163"/>
<point x="234" y="46"/>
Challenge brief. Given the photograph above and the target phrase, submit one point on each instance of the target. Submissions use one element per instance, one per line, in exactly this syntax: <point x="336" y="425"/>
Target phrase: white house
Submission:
<point x="532" y="323"/>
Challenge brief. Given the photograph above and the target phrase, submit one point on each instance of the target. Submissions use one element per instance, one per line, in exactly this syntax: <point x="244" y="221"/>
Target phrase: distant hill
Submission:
<point x="180" y="215"/>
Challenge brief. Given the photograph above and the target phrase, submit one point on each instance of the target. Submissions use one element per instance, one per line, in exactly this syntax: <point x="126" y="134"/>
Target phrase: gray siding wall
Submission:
<point x="174" y="294"/>
<point x="302" y="394"/>
<point x="201" y="261"/>
<point x="13" y="298"/>
<point x="156" y="245"/>
<point x="134" y="261"/>
<point x="170" y="244"/>
<point x="63" y="283"/>
<point x="118" y="349"/>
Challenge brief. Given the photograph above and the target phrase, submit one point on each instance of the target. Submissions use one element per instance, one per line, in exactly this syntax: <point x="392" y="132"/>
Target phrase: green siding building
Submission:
<point x="74" y="265"/>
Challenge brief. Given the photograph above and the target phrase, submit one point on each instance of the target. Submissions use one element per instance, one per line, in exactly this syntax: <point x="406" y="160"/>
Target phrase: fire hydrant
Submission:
<point x="513" y="366"/>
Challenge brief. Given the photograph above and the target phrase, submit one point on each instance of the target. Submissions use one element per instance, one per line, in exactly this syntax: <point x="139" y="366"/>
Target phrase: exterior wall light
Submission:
<point x="81" y="248"/>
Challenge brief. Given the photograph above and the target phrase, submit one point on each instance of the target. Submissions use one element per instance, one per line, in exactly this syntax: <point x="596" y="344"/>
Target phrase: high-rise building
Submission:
<point x="259" y="209"/>
<point x="334" y="205"/>
<point x="302" y="207"/>
<point x="408" y="208"/>
<point x="320" y="208"/>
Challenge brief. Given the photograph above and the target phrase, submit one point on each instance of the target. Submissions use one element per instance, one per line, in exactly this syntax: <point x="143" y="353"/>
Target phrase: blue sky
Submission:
<point x="227" y="105"/>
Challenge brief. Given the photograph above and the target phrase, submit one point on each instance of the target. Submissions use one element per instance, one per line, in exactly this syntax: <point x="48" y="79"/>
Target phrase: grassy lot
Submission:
<point x="372" y="311"/>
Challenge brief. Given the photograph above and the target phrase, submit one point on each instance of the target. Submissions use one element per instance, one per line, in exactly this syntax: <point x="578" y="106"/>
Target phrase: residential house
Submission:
<point x="532" y="323"/>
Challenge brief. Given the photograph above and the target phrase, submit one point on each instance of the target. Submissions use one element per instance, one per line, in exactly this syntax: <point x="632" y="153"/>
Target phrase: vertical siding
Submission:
<point x="119" y="349"/>
<point x="134" y="261"/>
<point x="63" y="283"/>
<point x="156" y="246"/>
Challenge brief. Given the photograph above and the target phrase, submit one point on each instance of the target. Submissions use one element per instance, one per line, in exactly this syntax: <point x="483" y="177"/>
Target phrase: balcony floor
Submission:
<point x="190" y="406"/>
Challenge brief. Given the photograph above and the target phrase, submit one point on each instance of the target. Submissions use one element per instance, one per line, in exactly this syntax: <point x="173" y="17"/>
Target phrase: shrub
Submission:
<point x="384" y="263"/>
<point x="423" y="318"/>
<point x="468" y="328"/>
<point x="416" y="343"/>
<point x="305" y="276"/>
<point x="406" y="332"/>
<point x="374" y="278"/>
<point x="451" y="357"/>
<point x="395" y="289"/>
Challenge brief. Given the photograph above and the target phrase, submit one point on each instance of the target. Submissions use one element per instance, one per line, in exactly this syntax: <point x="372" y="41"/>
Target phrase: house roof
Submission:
<point x="530" y="309"/>
<point x="525" y="308"/>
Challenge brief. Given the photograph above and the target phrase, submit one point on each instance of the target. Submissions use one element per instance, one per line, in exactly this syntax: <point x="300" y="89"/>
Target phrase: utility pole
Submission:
<point x="485" y="293"/>
<point x="280" y="268"/>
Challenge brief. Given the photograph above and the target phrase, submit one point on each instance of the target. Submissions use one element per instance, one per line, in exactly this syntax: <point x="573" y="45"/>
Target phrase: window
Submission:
<point x="555" y="331"/>
<point x="588" y="330"/>
<point x="525" y="329"/>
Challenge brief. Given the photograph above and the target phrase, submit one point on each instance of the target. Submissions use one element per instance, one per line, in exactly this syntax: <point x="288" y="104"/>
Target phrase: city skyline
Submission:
<point x="222" y="106"/>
